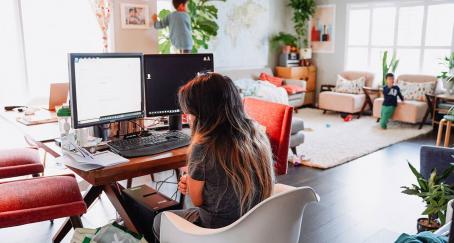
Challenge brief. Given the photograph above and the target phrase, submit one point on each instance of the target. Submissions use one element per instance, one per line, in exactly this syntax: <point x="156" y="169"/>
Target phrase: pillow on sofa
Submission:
<point x="416" y="91"/>
<point x="293" y="89"/>
<point x="274" y="80"/>
<point x="350" y="86"/>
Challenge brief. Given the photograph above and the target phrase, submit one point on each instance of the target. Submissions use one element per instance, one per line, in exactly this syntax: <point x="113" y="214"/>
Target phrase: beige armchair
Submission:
<point x="342" y="102"/>
<point x="409" y="111"/>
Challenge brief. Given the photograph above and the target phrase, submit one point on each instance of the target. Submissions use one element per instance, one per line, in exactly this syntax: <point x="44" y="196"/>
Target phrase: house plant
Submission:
<point x="448" y="76"/>
<point x="203" y="20"/>
<point x="388" y="67"/>
<point x="302" y="12"/>
<point x="435" y="194"/>
<point x="284" y="39"/>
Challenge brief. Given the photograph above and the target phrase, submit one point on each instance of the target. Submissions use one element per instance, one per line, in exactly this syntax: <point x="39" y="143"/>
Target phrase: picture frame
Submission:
<point x="134" y="16"/>
<point x="322" y="29"/>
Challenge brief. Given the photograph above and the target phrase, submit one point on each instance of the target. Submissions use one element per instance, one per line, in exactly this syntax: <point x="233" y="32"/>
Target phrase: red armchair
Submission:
<point x="277" y="119"/>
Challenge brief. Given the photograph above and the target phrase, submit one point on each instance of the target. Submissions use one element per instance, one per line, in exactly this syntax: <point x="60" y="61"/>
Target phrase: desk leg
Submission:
<point x="113" y="193"/>
<point x="89" y="198"/>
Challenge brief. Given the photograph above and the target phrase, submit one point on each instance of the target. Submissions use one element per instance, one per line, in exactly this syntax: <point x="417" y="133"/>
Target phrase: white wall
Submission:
<point x="245" y="30"/>
<point x="331" y="64"/>
<point x="134" y="40"/>
<point x="242" y="41"/>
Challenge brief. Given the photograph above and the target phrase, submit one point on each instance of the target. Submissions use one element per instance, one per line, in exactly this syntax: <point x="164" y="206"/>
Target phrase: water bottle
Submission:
<point x="66" y="132"/>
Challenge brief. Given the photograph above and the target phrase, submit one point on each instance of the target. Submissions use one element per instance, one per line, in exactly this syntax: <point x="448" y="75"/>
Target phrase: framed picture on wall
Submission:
<point x="321" y="29"/>
<point x="134" y="16"/>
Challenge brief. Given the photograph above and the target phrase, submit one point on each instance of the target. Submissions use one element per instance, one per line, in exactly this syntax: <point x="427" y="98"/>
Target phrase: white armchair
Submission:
<point x="276" y="219"/>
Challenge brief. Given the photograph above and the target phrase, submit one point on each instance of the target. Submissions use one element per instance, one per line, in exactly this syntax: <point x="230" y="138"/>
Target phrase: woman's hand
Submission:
<point x="182" y="184"/>
<point x="154" y="18"/>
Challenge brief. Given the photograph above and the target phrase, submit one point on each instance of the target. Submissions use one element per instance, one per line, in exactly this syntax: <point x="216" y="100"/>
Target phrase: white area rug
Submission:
<point x="330" y="141"/>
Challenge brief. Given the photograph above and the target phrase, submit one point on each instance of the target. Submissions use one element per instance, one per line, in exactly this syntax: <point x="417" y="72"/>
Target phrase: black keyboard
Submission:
<point x="151" y="144"/>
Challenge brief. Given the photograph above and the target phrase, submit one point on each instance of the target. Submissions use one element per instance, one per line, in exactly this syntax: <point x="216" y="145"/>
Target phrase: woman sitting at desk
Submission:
<point x="230" y="159"/>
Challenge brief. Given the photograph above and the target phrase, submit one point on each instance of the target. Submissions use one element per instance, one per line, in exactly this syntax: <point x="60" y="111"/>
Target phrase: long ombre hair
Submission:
<point x="228" y="136"/>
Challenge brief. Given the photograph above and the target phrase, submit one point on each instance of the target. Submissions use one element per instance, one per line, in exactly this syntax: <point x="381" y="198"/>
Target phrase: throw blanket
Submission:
<point x="262" y="90"/>
<point x="423" y="237"/>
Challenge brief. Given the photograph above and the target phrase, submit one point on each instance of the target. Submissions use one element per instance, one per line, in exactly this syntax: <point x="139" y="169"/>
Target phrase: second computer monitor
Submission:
<point x="165" y="74"/>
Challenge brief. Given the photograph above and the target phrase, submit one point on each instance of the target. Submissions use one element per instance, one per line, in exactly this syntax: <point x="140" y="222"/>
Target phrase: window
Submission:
<point x="50" y="33"/>
<point x="420" y="33"/>
<point x="12" y="65"/>
<point x="36" y="38"/>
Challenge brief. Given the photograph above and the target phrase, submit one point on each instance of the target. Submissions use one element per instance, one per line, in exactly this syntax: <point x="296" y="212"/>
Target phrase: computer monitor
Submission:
<point x="165" y="74"/>
<point x="105" y="88"/>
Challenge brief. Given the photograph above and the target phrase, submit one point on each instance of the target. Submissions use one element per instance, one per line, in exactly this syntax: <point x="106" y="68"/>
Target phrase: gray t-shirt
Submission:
<point x="180" y="29"/>
<point x="221" y="206"/>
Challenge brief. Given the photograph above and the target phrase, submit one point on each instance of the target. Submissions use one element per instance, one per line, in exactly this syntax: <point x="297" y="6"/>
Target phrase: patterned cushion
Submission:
<point x="350" y="86"/>
<point x="416" y="91"/>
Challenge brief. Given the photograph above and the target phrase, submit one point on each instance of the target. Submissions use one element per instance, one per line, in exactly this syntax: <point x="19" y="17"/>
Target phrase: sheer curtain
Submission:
<point x="52" y="29"/>
<point x="13" y="88"/>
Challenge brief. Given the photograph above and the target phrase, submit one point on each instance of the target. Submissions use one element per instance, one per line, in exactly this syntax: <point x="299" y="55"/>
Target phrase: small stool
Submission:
<point x="20" y="162"/>
<point x="447" y="120"/>
<point x="40" y="199"/>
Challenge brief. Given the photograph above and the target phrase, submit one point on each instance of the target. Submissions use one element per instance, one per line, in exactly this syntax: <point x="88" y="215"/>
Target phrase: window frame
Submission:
<point x="394" y="47"/>
<point x="27" y="82"/>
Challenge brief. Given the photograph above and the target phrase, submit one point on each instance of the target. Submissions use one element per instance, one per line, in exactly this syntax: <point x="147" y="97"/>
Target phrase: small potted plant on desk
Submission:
<point x="435" y="194"/>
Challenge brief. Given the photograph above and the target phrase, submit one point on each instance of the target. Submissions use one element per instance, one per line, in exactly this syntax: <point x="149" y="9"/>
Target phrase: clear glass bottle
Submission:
<point x="67" y="136"/>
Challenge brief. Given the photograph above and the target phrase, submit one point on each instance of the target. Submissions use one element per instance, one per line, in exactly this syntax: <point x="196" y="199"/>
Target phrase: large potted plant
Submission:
<point x="388" y="67"/>
<point x="204" y="27"/>
<point x="302" y="12"/>
<point x="435" y="194"/>
<point x="448" y="76"/>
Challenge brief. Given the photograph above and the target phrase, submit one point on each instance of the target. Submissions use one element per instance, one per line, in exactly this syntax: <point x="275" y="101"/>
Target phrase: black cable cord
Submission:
<point x="165" y="181"/>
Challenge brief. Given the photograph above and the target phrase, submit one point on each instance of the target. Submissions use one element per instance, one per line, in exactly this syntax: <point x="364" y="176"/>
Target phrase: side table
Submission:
<point x="370" y="93"/>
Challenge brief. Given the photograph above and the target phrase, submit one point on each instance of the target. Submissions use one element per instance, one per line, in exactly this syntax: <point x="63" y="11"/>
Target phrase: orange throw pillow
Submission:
<point x="293" y="89"/>
<point x="274" y="80"/>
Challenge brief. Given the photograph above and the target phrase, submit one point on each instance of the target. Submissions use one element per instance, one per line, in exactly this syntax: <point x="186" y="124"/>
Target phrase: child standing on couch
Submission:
<point x="390" y="93"/>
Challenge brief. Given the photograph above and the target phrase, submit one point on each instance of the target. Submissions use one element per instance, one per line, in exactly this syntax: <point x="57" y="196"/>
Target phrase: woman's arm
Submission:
<point x="195" y="191"/>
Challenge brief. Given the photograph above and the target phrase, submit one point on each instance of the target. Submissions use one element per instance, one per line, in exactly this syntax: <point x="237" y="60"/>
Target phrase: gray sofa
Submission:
<point x="436" y="157"/>
<point x="297" y="136"/>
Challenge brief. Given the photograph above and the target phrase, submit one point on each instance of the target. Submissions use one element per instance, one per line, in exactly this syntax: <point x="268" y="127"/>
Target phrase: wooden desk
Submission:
<point x="102" y="180"/>
<point x="106" y="180"/>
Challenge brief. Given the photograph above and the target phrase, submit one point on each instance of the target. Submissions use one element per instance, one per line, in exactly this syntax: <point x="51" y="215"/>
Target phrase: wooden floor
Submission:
<point x="360" y="200"/>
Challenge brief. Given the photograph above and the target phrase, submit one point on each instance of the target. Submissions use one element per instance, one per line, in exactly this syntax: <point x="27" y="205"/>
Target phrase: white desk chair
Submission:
<point x="276" y="219"/>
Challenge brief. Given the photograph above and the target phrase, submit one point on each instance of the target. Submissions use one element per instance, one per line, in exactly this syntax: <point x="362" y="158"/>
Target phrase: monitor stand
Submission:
<point x="102" y="131"/>
<point x="175" y="123"/>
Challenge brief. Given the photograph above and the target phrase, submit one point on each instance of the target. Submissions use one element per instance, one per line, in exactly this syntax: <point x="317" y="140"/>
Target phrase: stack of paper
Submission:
<point x="99" y="160"/>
